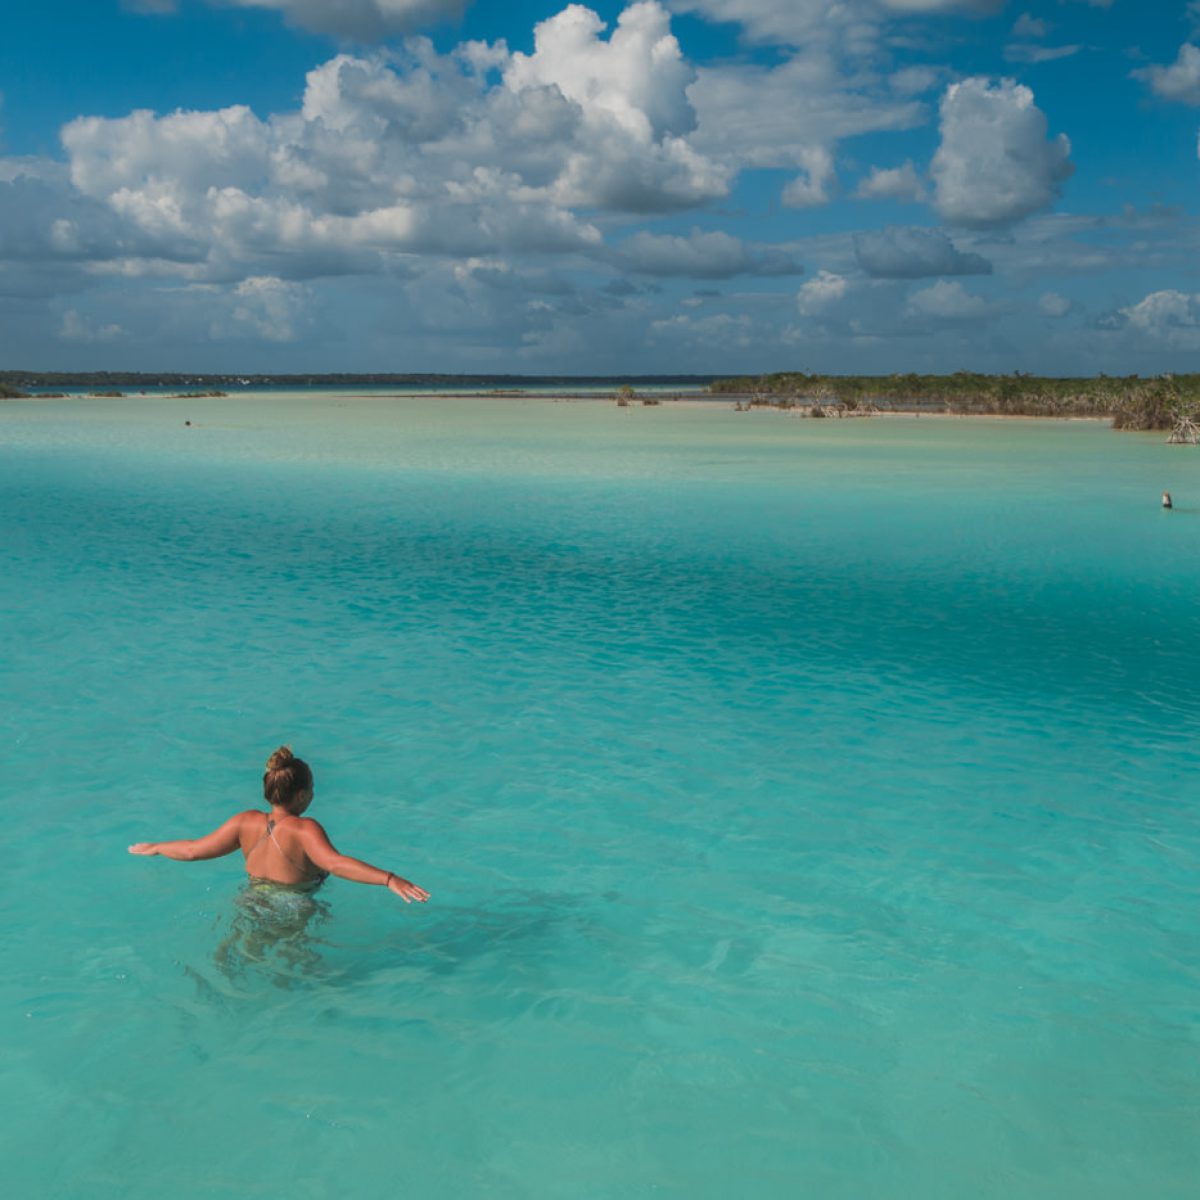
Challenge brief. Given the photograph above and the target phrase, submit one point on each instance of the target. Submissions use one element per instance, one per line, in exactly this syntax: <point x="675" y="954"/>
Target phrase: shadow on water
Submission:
<point x="521" y="927"/>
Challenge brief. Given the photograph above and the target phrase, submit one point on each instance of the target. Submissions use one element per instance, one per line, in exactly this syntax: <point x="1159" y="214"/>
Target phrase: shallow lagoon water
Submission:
<point x="808" y="807"/>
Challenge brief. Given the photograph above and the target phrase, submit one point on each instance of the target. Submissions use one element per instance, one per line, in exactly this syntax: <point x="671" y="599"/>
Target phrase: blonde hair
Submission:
<point x="286" y="779"/>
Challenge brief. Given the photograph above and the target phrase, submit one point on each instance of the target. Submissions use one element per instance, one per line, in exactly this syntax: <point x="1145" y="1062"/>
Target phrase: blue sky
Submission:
<point x="660" y="186"/>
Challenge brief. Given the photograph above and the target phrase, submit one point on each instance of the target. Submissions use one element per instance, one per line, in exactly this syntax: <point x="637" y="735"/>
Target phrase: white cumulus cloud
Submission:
<point x="634" y="114"/>
<point x="812" y="188"/>
<point x="946" y="301"/>
<point x="891" y="183"/>
<point x="724" y="330"/>
<point x="269" y="308"/>
<point x="995" y="164"/>
<point x="1180" y="81"/>
<point x="1167" y="316"/>
<point x="819" y="293"/>
<point x="1051" y="304"/>
<point x="77" y="328"/>
<point x="638" y="77"/>
<point x="45" y="218"/>
<point x="700" y="255"/>
<point x="910" y="252"/>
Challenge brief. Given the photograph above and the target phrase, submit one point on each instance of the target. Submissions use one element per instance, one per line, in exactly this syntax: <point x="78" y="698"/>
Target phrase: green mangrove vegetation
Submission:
<point x="1162" y="402"/>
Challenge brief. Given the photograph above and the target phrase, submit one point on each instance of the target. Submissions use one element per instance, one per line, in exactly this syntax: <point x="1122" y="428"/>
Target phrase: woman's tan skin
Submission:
<point x="297" y="853"/>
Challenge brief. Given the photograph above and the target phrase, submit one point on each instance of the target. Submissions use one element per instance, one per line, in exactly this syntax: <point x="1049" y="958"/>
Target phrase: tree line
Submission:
<point x="1130" y="401"/>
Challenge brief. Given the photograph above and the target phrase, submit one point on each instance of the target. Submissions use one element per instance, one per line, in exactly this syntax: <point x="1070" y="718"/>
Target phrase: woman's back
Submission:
<point x="273" y="847"/>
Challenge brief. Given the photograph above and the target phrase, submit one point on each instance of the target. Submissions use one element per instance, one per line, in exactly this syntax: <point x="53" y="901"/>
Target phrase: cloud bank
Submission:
<point x="476" y="152"/>
<point x="566" y="198"/>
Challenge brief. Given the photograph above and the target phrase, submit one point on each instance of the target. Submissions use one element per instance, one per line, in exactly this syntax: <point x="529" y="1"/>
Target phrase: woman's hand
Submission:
<point x="408" y="892"/>
<point x="144" y="848"/>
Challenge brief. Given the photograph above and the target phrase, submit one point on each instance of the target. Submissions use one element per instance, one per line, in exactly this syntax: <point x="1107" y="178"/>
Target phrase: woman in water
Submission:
<point x="285" y="848"/>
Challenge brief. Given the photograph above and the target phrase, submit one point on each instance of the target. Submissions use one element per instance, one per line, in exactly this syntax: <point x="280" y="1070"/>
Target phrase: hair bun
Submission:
<point x="281" y="759"/>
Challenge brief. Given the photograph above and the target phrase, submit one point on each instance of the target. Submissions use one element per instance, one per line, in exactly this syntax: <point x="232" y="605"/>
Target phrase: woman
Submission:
<point x="284" y="849"/>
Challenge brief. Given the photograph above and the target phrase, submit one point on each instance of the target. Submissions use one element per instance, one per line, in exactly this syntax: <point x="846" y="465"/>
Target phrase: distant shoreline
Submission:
<point x="134" y="380"/>
<point x="1167" y="402"/>
<point x="730" y="401"/>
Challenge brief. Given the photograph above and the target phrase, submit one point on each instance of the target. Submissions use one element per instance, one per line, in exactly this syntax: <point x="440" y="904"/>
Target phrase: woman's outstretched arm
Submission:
<point x="321" y="852"/>
<point x="217" y="844"/>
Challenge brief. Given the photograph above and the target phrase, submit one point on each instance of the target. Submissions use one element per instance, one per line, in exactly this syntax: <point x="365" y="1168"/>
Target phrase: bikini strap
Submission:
<point x="271" y="835"/>
<point x="267" y="833"/>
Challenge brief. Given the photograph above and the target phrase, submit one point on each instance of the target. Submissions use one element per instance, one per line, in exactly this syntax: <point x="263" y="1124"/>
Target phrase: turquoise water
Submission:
<point x="808" y="807"/>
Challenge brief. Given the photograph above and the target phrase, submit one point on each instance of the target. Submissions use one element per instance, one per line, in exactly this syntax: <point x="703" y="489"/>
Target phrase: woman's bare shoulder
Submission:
<point x="244" y="821"/>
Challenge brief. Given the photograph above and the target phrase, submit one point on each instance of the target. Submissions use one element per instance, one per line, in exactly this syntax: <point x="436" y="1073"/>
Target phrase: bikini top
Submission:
<point x="315" y="873"/>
